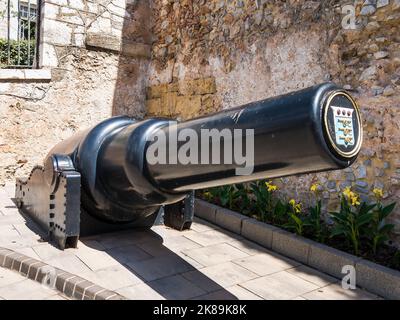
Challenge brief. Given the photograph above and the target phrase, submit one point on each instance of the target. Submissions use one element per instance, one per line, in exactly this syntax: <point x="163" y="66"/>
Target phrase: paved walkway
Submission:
<point x="203" y="263"/>
<point x="14" y="286"/>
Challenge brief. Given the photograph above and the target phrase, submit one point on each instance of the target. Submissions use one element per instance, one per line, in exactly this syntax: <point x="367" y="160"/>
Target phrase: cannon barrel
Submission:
<point x="122" y="171"/>
<point x="293" y="134"/>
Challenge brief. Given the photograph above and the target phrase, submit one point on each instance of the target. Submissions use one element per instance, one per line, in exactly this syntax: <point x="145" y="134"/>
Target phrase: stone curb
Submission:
<point x="67" y="283"/>
<point x="375" y="278"/>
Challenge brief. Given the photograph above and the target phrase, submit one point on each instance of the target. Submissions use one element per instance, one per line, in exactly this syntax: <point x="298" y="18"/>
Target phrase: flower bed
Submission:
<point x="358" y="228"/>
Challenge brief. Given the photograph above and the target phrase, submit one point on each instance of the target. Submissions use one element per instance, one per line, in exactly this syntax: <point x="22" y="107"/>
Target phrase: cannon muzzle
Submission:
<point x="122" y="171"/>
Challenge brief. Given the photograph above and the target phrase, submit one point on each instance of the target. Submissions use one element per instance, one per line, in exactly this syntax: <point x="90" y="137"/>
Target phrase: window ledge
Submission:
<point x="25" y="74"/>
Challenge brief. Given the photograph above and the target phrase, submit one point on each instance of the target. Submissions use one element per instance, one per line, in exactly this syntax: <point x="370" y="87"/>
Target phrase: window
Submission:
<point x="19" y="33"/>
<point x="27" y="27"/>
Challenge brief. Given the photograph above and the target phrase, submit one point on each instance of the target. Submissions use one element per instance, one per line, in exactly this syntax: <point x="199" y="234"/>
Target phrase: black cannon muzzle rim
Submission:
<point x="342" y="125"/>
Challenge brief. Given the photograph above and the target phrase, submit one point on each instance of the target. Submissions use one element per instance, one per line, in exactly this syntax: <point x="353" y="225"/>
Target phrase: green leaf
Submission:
<point x="386" y="228"/>
<point x="362" y="220"/>
<point x="336" y="231"/>
<point x="388" y="209"/>
<point x="296" y="219"/>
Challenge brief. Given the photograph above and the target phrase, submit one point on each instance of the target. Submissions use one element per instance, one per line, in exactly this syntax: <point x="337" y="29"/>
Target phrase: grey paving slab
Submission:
<point x="19" y="241"/>
<point x="160" y="267"/>
<point x="200" y="225"/>
<point x="26" y="290"/>
<point x="279" y="286"/>
<point x="309" y="274"/>
<point x="242" y="294"/>
<point x="11" y="219"/>
<point x="266" y="263"/>
<point x="112" y="278"/>
<point x="166" y="232"/>
<point x="69" y="263"/>
<point x="140" y="292"/>
<point x="249" y="247"/>
<point x="221" y="294"/>
<point x="95" y="259"/>
<point x="201" y="280"/>
<point x="46" y="251"/>
<point x="212" y="237"/>
<point x="131" y="253"/>
<point x="168" y="245"/>
<point x="336" y="292"/>
<point x="215" y="254"/>
<point x="8" y="230"/>
<point x="221" y="275"/>
<point x="195" y="264"/>
<point x="217" y="295"/>
<point x="125" y="238"/>
<point x="28" y="252"/>
<point x="176" y="288"/>
<point x="8" y="277"/>
<point x="25" y="229"/>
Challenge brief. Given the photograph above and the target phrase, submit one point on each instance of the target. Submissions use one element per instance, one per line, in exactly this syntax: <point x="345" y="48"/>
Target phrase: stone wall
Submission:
<point x="97" y="53"/>
<point x="196" y="57"/>
<point x="258" y="49"/>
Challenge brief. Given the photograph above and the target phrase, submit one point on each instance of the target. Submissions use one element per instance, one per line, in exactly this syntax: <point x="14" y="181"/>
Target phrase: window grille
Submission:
<point x="19" y="33"/>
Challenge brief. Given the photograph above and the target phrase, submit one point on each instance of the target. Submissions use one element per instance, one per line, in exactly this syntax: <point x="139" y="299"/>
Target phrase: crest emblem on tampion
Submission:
<point x="344" y="130"/>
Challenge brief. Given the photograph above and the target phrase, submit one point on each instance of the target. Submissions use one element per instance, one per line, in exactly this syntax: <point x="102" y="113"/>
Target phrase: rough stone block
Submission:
<point x="204" y="86"/>
<point x="50" y="10"/>
<point x="56" y="32"/>
<point x="258" y="232"/>
<point x="198" y="86"/>
<point x="330" y="260"/>
<point x="47" y="56"/>
<point x="188" y="106"/>
<point x="169" y="102"/>
<point x="378" y="279"/>
<point x="291" y="245"/>
<point x="156" y="91"/>
<point x="114" y="43"/>
<point x="229" y="220"/>
<point x="154" y="106"/>
<point x="205" y="210"/>
<point x="77" y="4"/>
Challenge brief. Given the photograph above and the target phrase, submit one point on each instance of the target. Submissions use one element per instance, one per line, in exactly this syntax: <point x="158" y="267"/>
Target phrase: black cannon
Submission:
<point x="106" y="178"/>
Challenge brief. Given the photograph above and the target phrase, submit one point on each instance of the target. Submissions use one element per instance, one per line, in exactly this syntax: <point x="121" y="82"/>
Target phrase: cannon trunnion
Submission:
<point x="104" y="179"/>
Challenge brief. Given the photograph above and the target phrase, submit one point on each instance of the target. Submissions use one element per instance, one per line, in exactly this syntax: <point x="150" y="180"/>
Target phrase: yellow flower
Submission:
<point x="347" y="193"/>
<point x="271" y="187"/>
<point x="207" y="195"/>
<point x="314" y="187"/>
<point x="378" y="193"/>
<point x="351" y="196"/>
<point x="296" y="206"/>
<point x="354" y="201"/>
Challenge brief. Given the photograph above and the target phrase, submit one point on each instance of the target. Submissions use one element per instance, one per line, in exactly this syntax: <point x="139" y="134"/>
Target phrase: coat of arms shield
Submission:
<point x="344" y="130"/>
